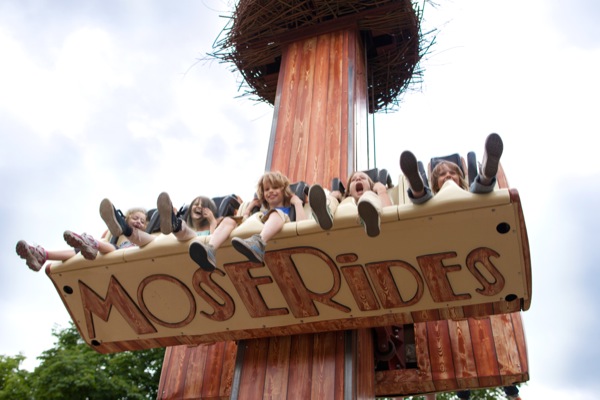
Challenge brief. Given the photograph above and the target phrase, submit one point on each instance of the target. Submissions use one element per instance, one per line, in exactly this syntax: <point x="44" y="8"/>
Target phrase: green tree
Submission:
<point x="476" y="394"/>
<point x="72" y="370"/>
<point x="13" y="380"/>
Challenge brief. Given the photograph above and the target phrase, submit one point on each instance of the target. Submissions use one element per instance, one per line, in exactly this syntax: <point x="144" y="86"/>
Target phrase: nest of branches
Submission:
<point x="257" y="31"/>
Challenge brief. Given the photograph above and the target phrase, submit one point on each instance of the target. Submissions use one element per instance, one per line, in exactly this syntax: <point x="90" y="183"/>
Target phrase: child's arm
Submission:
<point x="381" y="191"/>
<point x="254" y="203"/>
<point x="297" y="203"/>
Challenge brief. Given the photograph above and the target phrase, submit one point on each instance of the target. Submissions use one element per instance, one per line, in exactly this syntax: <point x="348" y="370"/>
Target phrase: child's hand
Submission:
<point x="379" y="188"/>
<point x="295" y="201"/>
<point x="337" y="194"/>
<point x="253" y="203"/>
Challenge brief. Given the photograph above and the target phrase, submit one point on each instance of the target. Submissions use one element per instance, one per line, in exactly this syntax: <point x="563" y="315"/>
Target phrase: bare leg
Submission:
<point x="272" y="227"/>
<point x="60" y="255"/>
<point x="141" y="238"/>
<point x="221" y="234"/>
<point x="185" y="233"/>
<point x="105" y="247"/>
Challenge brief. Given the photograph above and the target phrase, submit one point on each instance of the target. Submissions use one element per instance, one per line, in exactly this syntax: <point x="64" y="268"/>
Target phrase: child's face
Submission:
<point x="273" y="195"/>
<point x="359" y="184"/>
<point x="137" y="220"/>
<point x="199" y="212"/>
<point x="447" y="173"/>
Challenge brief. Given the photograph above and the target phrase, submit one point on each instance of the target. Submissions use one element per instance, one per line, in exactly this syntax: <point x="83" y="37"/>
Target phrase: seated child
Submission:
<point x="274" y="194"/>
<point x="370" y="197"/>
<point x="485" y="181"/>
<point x="198" y="220"/>
<point x="36" y="256"/>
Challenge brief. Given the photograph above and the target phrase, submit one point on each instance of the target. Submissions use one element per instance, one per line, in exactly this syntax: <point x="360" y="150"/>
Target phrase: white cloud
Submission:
<point x="97" y="102"/>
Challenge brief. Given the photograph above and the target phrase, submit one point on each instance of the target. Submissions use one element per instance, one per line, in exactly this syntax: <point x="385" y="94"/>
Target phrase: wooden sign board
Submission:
<point x="460" y="255"/>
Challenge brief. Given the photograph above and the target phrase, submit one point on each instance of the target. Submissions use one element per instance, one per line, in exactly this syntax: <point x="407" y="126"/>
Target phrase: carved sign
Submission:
<point x="158" y="296"/>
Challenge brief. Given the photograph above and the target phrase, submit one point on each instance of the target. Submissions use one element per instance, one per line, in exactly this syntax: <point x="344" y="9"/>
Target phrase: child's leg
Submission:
<point x="105" y="247"/>
<point x="485" y="181"/>
<point x="273" y="226"/>
<point x="221" y="234"/>
<point x="169" y="221"/>
<point x="417" y="192"/>
<point x="369" y="210"/>
<point x="254" y="246"/>
<point x="60" y="255"/>
<point x="320" y="205"/>
<point x="204" y="254"/>
<point x="114" y="219"/>
<point x="185" y="233"/>
<point x="36" y="256"/>
<point x="84" y="243"/>
<point x="139" y="237"/>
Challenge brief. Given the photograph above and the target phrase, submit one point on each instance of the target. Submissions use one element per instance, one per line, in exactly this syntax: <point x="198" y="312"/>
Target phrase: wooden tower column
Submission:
<point x="319" y="106"/>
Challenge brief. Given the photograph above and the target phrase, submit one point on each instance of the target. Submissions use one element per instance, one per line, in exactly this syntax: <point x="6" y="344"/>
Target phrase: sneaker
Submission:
<point x="203" y="255"/>
<point x="253" y="247"/>
<point x="370" y="217"/>
<point x="410" y="169"/>
<point x="169" y="222"/>
<point x="491" y="156"/>
<point x="114" y="219"/>
<point x="35" y="256"/>
<point x="84" y="242"/>
<point x="317" y="199"/>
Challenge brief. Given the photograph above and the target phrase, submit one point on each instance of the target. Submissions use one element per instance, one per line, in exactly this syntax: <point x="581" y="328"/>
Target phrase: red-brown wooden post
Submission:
<point x="320" y="107"/>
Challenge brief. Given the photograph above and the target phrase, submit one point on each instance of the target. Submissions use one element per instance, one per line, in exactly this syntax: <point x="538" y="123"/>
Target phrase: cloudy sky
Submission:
<point x="115" y="99"/>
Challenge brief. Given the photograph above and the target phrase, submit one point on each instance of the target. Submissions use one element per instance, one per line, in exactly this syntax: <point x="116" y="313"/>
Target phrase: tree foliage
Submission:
<point x="72" y="370"/>
<point x="13" y="380"/>
<point x="476" y="394"/>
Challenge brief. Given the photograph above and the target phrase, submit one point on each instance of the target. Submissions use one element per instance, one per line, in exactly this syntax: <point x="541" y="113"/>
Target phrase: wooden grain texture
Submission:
<point x="476" y="311"/>
<point x="365" y="365"/>
<point x="252" y="381"/>
<point x="300" y="375"/>
<point x="197" y="372"/>
<point x="300" y="367"/>
<point x="440" y="352"/>
<point x="316" y="105"/>
<point x="323" y="364"/>
<point x="315" y="162"/>
<point x="278" y="366"/>
<point x="462" y="349"/>
<point x="470" y="353"/>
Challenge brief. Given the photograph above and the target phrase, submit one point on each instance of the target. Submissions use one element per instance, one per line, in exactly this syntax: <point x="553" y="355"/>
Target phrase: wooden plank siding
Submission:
<point x="198" y="372"/>
<point x="306" y="367"/>
<point x="454" y="355"/>
<point x="321" y="91"/>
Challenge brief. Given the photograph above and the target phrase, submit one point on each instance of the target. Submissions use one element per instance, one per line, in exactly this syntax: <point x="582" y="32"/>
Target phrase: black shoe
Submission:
<point x="491" y="156"/>
<point x="317" y="199"/>
<point x="169" y="222"/>
<point x="203" y="255"/>
<point x="410" y="169"/>
<point x="114" y="219"/>
<point x="369" y="217"/>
